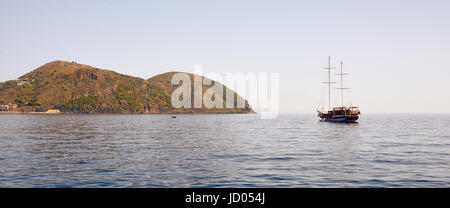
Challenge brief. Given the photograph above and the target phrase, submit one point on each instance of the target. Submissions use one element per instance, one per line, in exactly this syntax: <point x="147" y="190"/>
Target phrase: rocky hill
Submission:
<point x="76" y="88"/>
<point x="163" y="81"/>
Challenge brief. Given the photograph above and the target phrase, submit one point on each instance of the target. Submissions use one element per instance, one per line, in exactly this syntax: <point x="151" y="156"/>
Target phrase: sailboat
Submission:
<point x="342" y="114"/>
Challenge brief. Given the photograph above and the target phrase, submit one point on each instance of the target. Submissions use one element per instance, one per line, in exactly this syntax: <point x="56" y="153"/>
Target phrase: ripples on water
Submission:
<point x="223" y="151"/>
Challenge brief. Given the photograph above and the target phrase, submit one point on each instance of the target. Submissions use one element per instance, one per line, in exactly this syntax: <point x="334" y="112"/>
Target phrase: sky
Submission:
<point x="396" y="52"/>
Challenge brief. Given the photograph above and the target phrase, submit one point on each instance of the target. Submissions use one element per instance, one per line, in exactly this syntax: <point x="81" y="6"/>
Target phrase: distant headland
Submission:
<point x="69" y="87"/>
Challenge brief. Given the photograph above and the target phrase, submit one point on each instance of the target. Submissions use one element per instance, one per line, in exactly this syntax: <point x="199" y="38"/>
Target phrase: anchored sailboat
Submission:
<point x="346" y="114"/>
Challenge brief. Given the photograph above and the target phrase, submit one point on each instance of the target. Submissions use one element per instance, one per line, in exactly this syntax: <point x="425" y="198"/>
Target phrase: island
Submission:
<point x="69" y="87"/>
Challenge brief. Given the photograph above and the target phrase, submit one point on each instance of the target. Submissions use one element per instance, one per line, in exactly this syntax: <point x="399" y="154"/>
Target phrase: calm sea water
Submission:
<point x="223" y="151"/>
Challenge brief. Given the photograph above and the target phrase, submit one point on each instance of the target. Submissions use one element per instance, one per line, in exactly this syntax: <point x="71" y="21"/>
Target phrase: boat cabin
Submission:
<point x="344" y="111"/>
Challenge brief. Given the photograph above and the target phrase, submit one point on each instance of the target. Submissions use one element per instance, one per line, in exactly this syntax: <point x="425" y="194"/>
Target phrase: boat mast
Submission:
<point x="342" y="87"/>
<point x="329" y="68"/>
<point x="329" y="81"/>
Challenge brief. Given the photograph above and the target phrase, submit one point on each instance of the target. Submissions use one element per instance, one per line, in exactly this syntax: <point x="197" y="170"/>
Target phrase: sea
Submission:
<point x="216" y="151"/>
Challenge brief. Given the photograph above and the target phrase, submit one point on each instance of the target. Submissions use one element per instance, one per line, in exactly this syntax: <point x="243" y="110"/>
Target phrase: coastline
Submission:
<point x="162" y="113"/>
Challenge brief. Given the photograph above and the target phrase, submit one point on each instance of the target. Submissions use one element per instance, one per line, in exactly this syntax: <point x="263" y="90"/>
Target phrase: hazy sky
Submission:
<point x="397" y="52"/>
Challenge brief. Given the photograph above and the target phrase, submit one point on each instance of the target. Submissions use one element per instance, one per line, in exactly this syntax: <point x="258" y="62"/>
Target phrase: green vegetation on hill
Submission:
<point x="86" y="104"/>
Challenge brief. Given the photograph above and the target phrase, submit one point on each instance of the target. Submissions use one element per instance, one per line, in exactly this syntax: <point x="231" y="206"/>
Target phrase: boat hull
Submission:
<point x="347" y="119"/>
